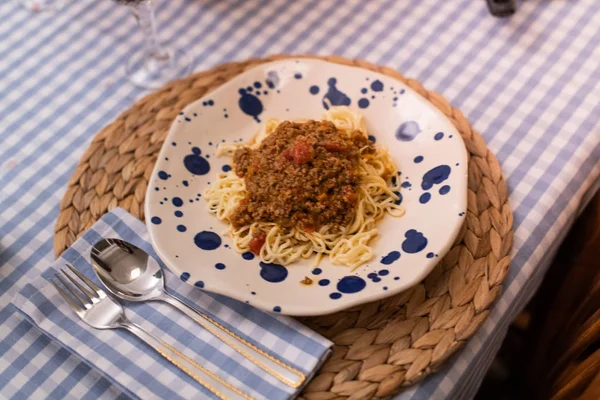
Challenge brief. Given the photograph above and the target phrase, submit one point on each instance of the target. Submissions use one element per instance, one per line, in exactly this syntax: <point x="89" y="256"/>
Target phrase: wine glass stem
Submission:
<point x="144" y="13"/>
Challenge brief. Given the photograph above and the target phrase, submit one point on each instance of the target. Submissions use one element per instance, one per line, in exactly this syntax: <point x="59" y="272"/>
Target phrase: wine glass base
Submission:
<point x="44" y="5"/>
<point x="152" y="73"/>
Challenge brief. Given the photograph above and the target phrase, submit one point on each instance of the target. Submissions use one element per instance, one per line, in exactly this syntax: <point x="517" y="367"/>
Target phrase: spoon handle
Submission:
<point x="273" y="366"/>
<point x="211" y="381"/>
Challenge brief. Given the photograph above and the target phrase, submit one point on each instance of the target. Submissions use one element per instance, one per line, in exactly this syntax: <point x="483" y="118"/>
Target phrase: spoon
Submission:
<point x="131" y="274"/>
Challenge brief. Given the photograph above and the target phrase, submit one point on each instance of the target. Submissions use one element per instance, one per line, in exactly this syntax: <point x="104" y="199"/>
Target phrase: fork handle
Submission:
<point x="273" y="366"/>
<point x="212" y="382"/>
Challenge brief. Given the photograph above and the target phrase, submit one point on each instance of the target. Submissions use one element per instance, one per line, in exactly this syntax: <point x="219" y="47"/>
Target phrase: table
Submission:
<point x="530" y="84"/>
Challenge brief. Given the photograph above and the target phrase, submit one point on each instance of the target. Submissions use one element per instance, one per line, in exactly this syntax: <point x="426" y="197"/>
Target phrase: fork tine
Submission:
<point x="83" y="300"/>
<point x="88" y="294"/>
<point x="76" y="307"/>
<point x="91" y="284"/>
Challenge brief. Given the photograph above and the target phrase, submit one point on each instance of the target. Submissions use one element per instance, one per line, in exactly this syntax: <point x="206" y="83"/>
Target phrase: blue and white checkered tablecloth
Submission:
<point x="530" y="84"/>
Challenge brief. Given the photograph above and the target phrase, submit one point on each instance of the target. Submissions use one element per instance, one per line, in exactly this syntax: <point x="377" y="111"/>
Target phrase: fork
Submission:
<point x="101" y="311"/>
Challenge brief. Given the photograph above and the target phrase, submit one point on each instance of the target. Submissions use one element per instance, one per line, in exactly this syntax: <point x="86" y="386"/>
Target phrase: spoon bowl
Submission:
<point x="127" y="271"/>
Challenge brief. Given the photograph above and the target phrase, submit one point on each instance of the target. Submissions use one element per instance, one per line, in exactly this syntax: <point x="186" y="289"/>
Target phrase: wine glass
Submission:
<point x="44" y="5"/>
<point x="155" y="65"/>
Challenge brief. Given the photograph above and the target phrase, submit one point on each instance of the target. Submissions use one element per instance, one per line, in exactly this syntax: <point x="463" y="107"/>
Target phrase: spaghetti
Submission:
<point x="340" y="224"/>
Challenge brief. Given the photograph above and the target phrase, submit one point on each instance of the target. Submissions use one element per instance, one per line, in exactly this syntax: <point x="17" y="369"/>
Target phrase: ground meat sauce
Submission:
<point x="303" y="175"/>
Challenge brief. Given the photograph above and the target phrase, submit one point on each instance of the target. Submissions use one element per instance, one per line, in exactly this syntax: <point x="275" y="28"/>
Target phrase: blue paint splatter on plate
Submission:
<point x="407" y="131"/>
<point x="444" y="189"/>
<point x="351" y="284"/>
<point x="425" y="197"/>
<point x="415" y="241"/>
<point x="207" y="240"/>
<point x="163" y="175"/>
<point x="377" y="86"/>
<point x="273" y="273"/>
<point x="195" y="164"/>
<point x="250" y="104"/>
<point x="334" y="96"/>
<point x="272" y="79"/>
<point x="435" y="176"/>
<point x="390" y="258"/>
<point x="400" y="198"/>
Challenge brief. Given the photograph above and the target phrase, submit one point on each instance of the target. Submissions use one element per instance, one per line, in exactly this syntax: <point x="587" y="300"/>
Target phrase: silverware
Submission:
<point x="100" y="311"/>
<point x="131" y="274"/>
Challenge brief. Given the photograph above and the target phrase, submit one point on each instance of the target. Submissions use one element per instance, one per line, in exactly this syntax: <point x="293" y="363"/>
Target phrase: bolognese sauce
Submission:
<point x="303" y="175"/>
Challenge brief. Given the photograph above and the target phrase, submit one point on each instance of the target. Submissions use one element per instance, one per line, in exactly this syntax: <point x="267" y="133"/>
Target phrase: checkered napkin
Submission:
<point x="139" y="370"/>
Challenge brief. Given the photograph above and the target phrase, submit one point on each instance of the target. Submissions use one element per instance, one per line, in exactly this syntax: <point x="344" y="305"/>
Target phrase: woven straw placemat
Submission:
<point x="380" y="347"/>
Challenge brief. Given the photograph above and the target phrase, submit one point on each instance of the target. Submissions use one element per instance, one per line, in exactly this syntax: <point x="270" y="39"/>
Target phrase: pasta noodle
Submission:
<point x="348" y="245"/>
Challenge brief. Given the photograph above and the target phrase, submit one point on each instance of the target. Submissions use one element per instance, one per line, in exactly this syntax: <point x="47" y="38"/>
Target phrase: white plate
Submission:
<point x="426" y="147"/>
